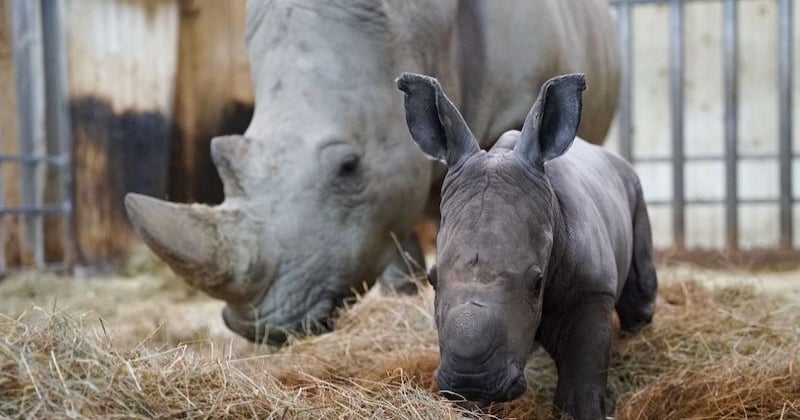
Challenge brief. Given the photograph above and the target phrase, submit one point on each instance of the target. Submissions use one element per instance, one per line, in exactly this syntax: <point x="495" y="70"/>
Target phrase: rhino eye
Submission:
<point x="433" y="276"/>
<point x="349" y="165"/>
<point x="536" y="286"/>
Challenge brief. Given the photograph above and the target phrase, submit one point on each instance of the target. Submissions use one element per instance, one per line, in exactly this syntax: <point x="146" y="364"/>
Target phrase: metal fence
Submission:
<point x="43" y="129"/>
<point x="44" y="136"/>
<point x="731" y="157"/>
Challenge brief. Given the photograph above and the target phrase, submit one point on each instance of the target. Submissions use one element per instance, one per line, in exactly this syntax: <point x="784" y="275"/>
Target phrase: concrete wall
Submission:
<point x="758" y="119"/>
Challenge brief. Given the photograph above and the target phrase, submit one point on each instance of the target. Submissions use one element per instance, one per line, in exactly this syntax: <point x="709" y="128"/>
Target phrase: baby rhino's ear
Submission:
<point x="434" y="122"/>
<point x="552" y="124"/>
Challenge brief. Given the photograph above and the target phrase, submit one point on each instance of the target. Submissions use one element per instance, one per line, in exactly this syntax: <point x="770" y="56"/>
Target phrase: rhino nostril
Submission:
<point x="317" y="326"/>
<point x="515" y="386"/>
<point x="274" y="337"/>
<point x="258" y="332"/>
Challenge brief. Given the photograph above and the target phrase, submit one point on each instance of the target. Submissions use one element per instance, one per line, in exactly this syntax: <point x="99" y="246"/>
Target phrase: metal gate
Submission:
<point x="731" y="157"/>
<point x="43" y="129"/>
<point x="44" y="132"/>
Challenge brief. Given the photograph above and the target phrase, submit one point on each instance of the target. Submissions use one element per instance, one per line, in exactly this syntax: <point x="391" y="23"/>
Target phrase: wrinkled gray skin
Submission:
<point x="535" y="244"/>
<point x="325" y="172"/>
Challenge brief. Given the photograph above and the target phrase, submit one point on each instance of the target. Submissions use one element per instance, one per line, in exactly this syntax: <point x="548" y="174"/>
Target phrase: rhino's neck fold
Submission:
<point x="560" y="237"/>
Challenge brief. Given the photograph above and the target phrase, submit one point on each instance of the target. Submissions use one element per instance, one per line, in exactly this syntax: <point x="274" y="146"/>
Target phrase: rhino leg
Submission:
<point x="637" y="301"/>
<point x="580" y="343"/>
<point x="408" y="263"/>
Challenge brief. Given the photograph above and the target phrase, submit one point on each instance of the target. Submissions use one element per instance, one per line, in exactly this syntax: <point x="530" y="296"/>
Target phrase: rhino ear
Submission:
<point x="552" y="123"/>
<point x="434" y="122"/>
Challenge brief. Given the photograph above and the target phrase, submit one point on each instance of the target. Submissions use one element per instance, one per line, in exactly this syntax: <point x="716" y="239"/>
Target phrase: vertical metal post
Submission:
<point x="25" y="38"/>
<point x="5" y="19"/>
<point x="2" y="221"/>
<point x="730" y="58"/>
<point x="626" y="91"/>
<point x="676" y="104"/>
<point x="785" y="120"/>
<point x="58" y="132"/>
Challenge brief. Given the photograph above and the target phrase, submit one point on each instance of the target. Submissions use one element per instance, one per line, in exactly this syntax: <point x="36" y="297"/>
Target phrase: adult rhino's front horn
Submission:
<point x="206" y="246"/>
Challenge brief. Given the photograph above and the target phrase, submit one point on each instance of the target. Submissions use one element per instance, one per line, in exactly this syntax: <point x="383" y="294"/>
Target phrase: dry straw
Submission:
<point x="721" y="353"/>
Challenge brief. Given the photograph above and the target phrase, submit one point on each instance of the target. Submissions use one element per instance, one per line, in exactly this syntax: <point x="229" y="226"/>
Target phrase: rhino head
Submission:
<point x="320" y="180"/>
<point x="496" y="233"/>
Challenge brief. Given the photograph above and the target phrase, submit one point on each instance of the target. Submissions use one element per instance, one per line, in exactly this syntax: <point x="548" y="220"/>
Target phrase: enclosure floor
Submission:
<point x="724" y="343"/>
<point x="135" y="306"/>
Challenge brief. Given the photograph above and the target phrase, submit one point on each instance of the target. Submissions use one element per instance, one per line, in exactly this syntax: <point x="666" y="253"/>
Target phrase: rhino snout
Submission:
<point x="503" y="382"/>
<point x="273" y="330"/>
<point x="475" y="362"/>
<point x="470" y="331"/>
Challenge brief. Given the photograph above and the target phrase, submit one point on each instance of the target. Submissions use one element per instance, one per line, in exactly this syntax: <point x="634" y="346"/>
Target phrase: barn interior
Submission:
<point x="99" y="98"/>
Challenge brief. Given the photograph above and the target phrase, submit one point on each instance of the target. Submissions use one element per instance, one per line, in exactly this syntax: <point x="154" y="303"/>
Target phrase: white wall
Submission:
<point x="758" y="119"/>
<point x="123" y="51"/>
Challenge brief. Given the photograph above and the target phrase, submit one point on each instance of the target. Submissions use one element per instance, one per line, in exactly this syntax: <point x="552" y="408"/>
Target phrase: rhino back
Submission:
<point x="527" y="43"/>
<point x="597" y="194"/>
<point x="505" y="51"/>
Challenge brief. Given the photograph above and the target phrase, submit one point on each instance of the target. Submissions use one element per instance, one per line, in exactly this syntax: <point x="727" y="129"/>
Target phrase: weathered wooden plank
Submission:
<point x="121" y="67"/>
<point x="213" y="93"/>
<point x="7" y="127"/>
<point x="122" y="61"/>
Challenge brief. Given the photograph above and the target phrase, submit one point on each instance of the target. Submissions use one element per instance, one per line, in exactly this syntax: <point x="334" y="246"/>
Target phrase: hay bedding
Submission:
<point x="729" y="352"/>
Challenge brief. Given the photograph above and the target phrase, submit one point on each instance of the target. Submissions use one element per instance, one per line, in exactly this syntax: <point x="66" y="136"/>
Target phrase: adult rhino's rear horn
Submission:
<point x="187" y="237"/>
<point x="228" y="154"/>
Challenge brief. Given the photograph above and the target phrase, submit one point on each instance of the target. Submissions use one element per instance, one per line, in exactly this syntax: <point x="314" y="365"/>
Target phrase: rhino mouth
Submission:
<point x="265" y="329"/>
<point x="481" y="388"/>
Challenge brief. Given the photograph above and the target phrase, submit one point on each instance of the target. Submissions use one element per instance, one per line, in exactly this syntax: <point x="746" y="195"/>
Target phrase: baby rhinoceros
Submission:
<point x="538" y="242"/>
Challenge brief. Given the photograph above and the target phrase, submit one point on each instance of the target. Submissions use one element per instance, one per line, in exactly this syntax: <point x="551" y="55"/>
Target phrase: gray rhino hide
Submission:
<point x="325" y="173"/>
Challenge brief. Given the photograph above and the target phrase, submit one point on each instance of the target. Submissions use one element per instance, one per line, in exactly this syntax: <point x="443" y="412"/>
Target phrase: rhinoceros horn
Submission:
<point x="227" y="152"/>
<point x="188" y="238"/>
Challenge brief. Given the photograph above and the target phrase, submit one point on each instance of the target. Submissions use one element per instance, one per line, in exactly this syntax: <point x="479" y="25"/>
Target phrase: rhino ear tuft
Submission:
<point x="434" y="122"/>
<point x="552" y="123"/>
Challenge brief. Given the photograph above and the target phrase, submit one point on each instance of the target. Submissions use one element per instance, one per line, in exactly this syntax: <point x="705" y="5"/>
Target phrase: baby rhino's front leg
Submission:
<point x="580" y="343"/>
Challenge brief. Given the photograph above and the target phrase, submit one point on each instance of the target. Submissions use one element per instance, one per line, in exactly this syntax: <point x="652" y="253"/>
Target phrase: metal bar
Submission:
<point x="704" y="201"/>
<point x="52" y="267"/>
<point x="26" y="40"/>
<point x="730" y="53"/>
<point x="59" y="134"/>
<point x="636" y="2"/>
<point x="3" y="263"/>
<point x="55" y="160"/>
<point x="4" y="20"/>
<point x="785" y="111"/>
<point x="709" y="158"/>
<point x="626" y="88"/>
<point x="676" y="104"/>
<point x="2" y="203"/>
<point x="37" y="209"/>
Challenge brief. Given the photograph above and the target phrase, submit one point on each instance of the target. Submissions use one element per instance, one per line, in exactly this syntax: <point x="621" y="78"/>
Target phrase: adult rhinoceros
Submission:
<point x="325" y="173"/>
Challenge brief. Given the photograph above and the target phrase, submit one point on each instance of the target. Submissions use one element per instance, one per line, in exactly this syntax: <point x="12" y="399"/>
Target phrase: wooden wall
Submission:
<point x="10" y="234"/>
<point x="150" y="83"/>
<point x="121" y="67"/>
<point x="214" y="93"/>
